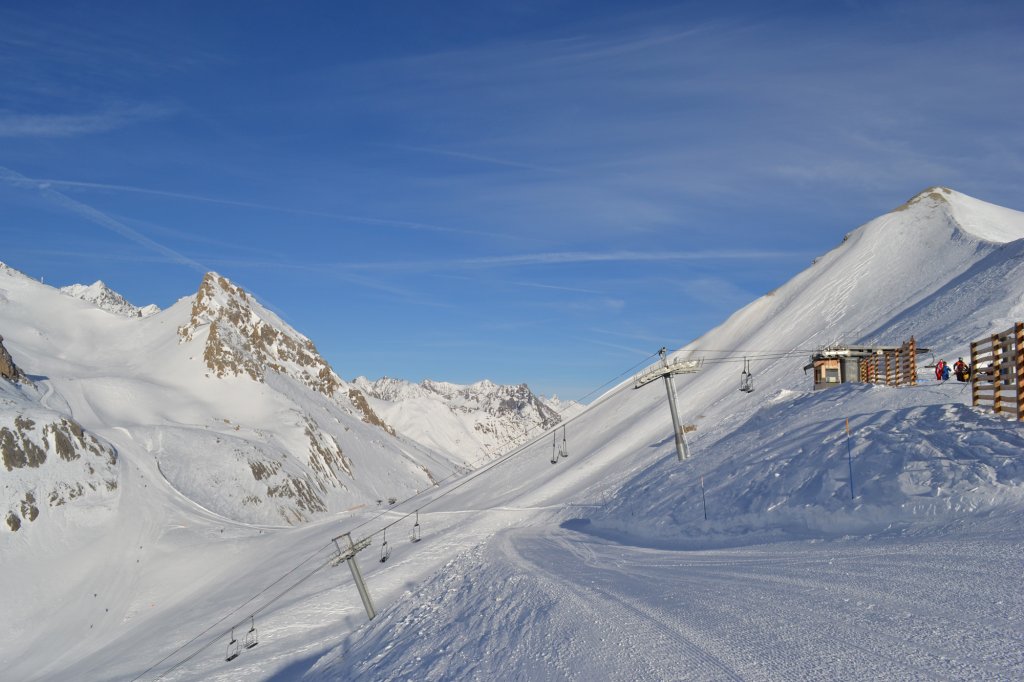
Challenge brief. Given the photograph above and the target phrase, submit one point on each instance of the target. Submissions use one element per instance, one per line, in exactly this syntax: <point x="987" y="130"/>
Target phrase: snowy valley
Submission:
<point x="173" y="478"/>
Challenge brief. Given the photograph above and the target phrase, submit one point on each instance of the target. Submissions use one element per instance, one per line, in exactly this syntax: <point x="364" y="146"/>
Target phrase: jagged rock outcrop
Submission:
<point x="50" y="463"/>
<point x="247" y="339"/>
<point x="9" y="370"/>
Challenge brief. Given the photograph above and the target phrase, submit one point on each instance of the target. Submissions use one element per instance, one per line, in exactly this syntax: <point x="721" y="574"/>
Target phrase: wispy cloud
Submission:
<point x="552" y="287"/>
<point x="405" y="224"/>
<point x="574" y="257"/>
<point x="13" y="124"/>
<point x="617" y="346"/>
<point x="628" y="335"/>
<point x="481" y="158"/>
<point x="99" y="218"/>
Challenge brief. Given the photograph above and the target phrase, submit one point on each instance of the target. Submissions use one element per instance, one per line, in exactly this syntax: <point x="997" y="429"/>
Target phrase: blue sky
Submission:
<point x="532" y="191"/>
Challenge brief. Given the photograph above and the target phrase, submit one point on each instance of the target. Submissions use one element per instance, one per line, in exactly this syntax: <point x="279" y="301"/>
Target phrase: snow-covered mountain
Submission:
<point x="238" y="411"/>
<point x="892" y="553"/>
<point x="106" y="298"/>
<point x="468" y="422"/>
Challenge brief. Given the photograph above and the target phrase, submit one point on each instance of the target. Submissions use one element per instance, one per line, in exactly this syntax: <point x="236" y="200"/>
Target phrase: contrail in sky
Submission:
<point x="98" y="217"/>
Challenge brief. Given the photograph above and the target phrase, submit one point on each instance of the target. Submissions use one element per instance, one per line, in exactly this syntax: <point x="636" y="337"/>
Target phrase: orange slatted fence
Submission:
<point x="997" y="372"/>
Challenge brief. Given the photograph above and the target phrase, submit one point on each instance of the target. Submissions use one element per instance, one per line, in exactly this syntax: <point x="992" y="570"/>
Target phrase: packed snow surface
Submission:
<point x="784" y="549"/>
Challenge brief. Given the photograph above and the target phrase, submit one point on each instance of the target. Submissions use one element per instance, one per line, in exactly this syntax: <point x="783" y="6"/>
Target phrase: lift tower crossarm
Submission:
<point x="348" y="555"/>
<point x="668" y="369"/>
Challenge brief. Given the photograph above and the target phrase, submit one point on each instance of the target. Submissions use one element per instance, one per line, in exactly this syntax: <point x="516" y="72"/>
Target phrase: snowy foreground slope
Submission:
<point x="602" y="566"/>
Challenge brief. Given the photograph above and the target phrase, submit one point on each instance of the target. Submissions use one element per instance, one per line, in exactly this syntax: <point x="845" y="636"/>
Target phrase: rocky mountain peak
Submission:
<point x="102" y="296"/>
<point x="247" y="339"/>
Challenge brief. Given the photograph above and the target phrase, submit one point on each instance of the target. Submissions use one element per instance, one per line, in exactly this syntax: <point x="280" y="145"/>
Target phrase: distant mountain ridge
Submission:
<point x="466" y="421"/>
<point x="107" y="299"/>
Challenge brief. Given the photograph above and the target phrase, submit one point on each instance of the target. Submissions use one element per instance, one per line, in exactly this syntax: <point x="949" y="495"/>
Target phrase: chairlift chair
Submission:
<point x="414" y="535"/>
<point x="747" y="378"/>
<point x="565" y="448"/>
<point x="554" y="448"/>
<point x="251" y="638"/>
<point x="233" y="648"/>
<point x="385" y="551"/>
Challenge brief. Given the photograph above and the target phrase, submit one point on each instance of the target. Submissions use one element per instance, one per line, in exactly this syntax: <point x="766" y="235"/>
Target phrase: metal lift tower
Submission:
<point x="667" y="370"/>
<point x="348" y="555"/>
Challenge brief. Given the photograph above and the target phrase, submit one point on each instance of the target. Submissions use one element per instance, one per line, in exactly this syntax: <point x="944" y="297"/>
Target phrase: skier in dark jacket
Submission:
<point x="962" y="370"/>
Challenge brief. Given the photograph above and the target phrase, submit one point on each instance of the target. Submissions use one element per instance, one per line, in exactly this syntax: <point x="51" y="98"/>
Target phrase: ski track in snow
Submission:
<point x="877" y="610"/>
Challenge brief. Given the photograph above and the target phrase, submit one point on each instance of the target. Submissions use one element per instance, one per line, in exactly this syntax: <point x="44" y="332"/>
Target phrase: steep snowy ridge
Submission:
<point x="468" y="422"/>
<point x="106" y="298"/>
<point x="938" y="268"/>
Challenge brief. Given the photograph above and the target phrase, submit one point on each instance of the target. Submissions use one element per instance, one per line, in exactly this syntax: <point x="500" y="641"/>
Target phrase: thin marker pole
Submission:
<point x="849" y="455"/>
<point x="703" y="499"/>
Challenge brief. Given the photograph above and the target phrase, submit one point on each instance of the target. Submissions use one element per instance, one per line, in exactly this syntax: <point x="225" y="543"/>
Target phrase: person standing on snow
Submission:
<point x="940" y="369"/>
<point x="962" y="370"/>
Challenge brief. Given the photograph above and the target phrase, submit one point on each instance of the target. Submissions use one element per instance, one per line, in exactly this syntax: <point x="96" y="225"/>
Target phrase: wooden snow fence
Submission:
<point x="997" y="372"/>
<point x="892" y="367"/>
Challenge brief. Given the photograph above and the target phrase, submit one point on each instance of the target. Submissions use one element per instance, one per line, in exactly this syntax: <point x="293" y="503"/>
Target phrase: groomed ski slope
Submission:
<point x="602" y="566"/>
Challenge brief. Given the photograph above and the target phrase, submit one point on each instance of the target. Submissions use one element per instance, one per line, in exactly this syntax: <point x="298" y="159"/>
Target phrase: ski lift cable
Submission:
<point x="233" y="611"/>
<point x="219" y="636"/>
<point x="523" y="447"/>
<point x="472" y="476"/>
<point x="469" y="478"/>
<point x="402" y="503"/>
<point x="759" y="354"/>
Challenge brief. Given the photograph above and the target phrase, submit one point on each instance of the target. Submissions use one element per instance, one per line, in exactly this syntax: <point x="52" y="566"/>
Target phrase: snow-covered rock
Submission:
<point x="50" y="463"/>
<point x="107" y="299"/>
<point x="566" y="409"/>
<point x="8" y="369"/>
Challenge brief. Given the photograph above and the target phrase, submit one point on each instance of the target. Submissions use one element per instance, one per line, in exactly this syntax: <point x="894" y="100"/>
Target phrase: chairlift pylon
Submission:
<point x="233" y="648"/>
<point x="251" y="638"/>
<point x="385" y="551"/>
<point x="414" y="535"/>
